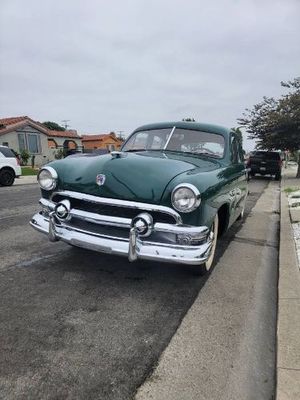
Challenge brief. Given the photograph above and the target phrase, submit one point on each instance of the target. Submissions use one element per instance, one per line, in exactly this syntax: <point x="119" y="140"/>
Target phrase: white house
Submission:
<point x="22" y="133"/>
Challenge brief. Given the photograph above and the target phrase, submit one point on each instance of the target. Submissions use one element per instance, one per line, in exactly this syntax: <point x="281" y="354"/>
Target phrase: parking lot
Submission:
<point x="80" y="325"/>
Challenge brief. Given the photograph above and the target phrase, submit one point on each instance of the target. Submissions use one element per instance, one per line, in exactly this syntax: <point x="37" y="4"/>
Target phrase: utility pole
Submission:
<point x="65" y="123"/>
<point x="120" y="134"/>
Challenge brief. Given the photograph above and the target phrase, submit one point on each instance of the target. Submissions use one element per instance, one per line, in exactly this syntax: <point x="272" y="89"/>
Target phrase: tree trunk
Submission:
<point x="298" y="170"/>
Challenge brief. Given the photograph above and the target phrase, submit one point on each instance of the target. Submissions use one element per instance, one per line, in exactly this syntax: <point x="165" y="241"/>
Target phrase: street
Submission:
<point x="81" y="325"/>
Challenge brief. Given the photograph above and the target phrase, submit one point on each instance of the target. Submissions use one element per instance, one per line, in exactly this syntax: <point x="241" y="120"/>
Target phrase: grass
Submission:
<point x="26" y="171"/>
<point x="291" y="190"/>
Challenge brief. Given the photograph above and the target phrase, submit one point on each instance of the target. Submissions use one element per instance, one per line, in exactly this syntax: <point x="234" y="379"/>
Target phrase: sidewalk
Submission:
<point x="288" y="329"/>
<point x="25" y="180"/>
<point x="224" y="348"/>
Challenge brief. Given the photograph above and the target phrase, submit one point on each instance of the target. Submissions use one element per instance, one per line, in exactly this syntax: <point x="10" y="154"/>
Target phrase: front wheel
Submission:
<point x="205" y="267"/>
<point x="277" y="177"/>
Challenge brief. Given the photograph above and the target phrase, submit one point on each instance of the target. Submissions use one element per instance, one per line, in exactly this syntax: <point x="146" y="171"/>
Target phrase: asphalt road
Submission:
<point x="79" y="325"/>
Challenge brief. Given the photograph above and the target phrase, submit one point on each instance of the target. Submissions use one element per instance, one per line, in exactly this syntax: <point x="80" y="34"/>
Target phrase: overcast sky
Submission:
<point x="114" y="65"/>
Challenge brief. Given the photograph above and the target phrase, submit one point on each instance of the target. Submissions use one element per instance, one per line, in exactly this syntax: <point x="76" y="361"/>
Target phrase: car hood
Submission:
<point x="141" y="176"/>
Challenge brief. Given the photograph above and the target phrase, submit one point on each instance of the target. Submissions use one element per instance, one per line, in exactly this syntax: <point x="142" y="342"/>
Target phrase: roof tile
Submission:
<point x="12" y="120"/>
<point x="86" y="138"/>
<point x="69" y="133"/>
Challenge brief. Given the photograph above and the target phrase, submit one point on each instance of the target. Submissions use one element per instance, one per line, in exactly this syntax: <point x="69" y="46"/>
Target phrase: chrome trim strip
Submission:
<point x="202" y="231"/>
<point x="169" y="138"/>
<point x="121" y="203"/>
<point x="47" y="203"/>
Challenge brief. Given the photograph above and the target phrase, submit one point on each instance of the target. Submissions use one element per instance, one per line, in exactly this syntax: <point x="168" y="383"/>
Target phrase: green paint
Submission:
<point x="151" y="176"/>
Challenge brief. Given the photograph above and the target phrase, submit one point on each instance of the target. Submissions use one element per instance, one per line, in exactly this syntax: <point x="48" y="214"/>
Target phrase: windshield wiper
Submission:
<point x="207" y="154"/>
<point x="132" y="150"/>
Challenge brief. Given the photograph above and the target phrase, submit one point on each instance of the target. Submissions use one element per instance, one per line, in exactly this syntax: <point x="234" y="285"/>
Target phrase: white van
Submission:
<point x="9" y="166"/>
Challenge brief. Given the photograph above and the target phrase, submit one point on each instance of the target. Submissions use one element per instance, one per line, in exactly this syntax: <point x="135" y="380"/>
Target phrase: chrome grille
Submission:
<point x="113" y="210"/>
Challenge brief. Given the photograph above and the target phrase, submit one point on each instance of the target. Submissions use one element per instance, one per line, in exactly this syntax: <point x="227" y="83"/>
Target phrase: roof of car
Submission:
<point x="186" y="125"/>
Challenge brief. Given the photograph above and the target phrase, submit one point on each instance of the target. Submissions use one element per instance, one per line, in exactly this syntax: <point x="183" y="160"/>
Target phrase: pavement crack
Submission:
<point x="28" y="263"/>
<point x="255" y="242"/>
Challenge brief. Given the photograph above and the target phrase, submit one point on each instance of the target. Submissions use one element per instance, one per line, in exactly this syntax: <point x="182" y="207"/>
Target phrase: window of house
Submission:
<point x="33" y="146"/>
<point x="22" y="143"/>
<point x="5" y="144"/>
<point x="29" y="142"/>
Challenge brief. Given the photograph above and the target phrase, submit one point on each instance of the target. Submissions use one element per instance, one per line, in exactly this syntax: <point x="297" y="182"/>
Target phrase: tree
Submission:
<point x="53" y="126"/>
<point x="275" y="123"/>
<point x="59" y="154"/>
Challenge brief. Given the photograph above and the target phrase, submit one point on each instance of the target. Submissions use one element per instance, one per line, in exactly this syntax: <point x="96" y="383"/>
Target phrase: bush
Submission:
<point x="24" y="157"/>
<point x="59" y="154"/>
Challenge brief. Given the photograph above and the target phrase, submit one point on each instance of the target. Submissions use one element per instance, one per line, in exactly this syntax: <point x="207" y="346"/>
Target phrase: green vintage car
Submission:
<point x="166" y="196"/>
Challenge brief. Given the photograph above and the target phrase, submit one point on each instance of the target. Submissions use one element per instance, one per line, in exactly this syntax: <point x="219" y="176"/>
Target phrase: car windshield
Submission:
<point x="179" y="140"/>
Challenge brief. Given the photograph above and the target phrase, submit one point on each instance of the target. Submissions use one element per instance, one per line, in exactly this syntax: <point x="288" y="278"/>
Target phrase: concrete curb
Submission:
<point x="288" y="325"/>
<point x="25" y="180"/>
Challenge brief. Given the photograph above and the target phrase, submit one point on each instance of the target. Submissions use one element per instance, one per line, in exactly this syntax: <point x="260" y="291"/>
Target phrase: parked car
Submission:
<point x="166" y="196"/>
<point x="9" y="166"/>
<point x="265" y="163"/>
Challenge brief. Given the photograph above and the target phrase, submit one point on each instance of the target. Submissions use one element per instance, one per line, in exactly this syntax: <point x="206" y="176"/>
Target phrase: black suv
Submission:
<point x="265" y="163"/>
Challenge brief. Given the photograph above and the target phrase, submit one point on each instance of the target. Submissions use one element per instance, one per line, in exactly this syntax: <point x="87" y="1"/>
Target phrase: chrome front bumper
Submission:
<point x="131" y="245"/>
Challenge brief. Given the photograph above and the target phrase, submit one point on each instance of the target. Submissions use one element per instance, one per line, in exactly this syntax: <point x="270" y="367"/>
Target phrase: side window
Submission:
<point x="6" y="152"/>
<point x="234" y="150"/>
<point x="237" y="155"/>
<point x="241" y="153"/>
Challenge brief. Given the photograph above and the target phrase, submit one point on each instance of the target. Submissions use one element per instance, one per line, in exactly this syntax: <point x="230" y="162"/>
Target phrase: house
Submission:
<point x="23" y="133"/>
<point x="109" y="142"/>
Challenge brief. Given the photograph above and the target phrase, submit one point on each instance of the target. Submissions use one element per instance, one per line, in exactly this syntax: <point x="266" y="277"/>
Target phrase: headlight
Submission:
<point x="47" y="178"/>
<point x="185" y="198"/>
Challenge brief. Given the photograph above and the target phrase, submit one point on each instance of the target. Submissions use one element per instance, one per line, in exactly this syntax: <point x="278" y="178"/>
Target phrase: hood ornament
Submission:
<point x="118" y="154"/>
<point x="100" y="179"/>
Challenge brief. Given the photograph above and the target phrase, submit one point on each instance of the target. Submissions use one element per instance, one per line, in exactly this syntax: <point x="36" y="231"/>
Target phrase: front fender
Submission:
<point x="214" y="193"/>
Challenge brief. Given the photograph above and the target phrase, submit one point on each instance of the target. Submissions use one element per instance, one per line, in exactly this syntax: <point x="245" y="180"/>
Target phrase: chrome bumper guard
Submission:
<point x="134" y="246"/>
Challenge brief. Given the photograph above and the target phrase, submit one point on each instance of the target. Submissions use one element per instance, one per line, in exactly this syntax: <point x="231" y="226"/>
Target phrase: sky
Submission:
<point x="114" y="65"/>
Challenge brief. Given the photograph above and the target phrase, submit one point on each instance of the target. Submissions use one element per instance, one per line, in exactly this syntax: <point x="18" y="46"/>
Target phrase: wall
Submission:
<point x="100" y="144"/>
